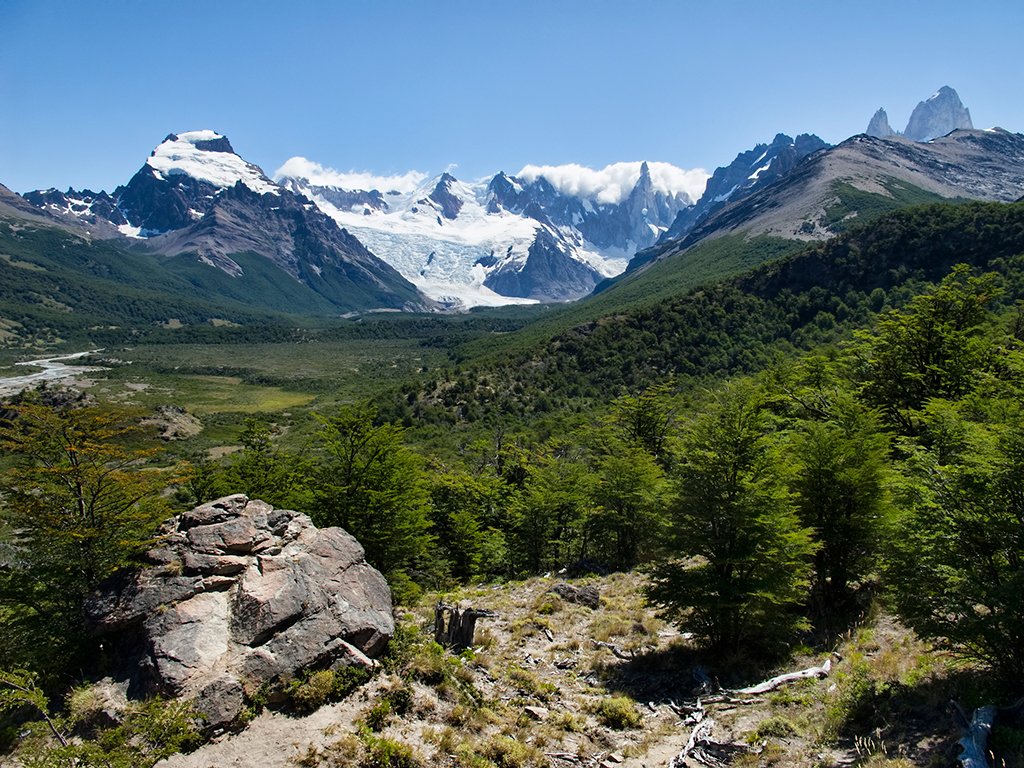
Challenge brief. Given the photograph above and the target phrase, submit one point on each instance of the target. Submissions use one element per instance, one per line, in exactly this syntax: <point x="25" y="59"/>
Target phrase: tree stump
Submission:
<point x="458" y="630"/>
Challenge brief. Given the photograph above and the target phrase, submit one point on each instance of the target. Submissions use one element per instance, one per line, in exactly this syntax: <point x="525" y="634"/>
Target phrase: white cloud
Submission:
<point x="613" y="183"/>
<point x="318" y="175"/>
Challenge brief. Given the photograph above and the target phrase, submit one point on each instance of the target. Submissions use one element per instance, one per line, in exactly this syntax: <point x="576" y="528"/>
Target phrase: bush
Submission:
<point x="325" y="685"/>
<point x="506" y="752"/>
<point x="382" y="752"/>
<point x="618" y="712"/>
<point x="775" y="727"/>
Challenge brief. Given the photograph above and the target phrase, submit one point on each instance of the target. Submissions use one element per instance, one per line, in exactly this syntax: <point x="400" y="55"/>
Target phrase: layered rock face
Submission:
<point x="239" y="594"/>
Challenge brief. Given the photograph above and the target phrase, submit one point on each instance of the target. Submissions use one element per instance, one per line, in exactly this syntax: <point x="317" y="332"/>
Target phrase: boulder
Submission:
<point x="587" y="596"/>
<point x="238" y="595"/>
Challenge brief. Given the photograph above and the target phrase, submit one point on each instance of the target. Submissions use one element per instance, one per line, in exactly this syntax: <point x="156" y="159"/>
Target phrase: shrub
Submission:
<point x="618" y="712"/>
<point x="506" y="752"/>
<point x="775" y="727"/>
<point x="325" y="685"/>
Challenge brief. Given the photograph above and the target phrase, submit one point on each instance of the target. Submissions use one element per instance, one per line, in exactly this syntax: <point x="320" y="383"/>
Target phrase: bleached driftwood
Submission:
<point x="701" y="730"/>
<point x="789" y="677"/>
<point x="975" y="740"/>
<point x="705" y="750"/>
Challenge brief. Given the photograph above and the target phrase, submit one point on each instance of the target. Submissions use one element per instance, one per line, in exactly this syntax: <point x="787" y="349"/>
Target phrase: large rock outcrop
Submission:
<point x="879" y="126"/>
<point x="240" y="594"/>
<point x="938" y="115"/>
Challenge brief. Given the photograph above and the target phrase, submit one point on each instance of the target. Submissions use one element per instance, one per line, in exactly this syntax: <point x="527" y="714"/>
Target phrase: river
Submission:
<point x="54" y="369"/>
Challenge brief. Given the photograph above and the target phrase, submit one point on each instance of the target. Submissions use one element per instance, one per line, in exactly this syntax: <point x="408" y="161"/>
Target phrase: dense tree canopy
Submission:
<point x="78" y="507"/>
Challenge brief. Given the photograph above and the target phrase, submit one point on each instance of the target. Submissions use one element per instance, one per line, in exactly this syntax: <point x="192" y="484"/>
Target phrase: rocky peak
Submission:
<point x="645" y="175"/>
<point x="879" y="126"/>
<point x="937" y="115"/>
<point x="449" y="202"/>
<point x="204" y="141"/>
<point x="240" y="595"/>
<point x="503" y="192"/>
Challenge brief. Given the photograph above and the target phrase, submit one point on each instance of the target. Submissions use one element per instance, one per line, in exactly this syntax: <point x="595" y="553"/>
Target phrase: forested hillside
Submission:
<point x="794" y="304"/>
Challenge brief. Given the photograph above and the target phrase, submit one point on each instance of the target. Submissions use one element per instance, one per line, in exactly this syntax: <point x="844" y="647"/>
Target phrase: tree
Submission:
<point x="741" y="562"/>
<point x="956" y="566"/>
<point x="628" y="519"/>
<point x="262" y="472"/>
<point x="933" y="349"/>
<point x="548" y="516"/>
<point x="647" y="420"/>
<point x="82" y="504"/>
<point x="369" y="483"/>
<point x="838" y="482"/>
<point x="464" y="508"/>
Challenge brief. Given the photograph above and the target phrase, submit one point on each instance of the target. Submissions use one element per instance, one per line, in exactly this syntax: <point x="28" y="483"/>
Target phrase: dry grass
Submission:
<point x="537" y="685"/>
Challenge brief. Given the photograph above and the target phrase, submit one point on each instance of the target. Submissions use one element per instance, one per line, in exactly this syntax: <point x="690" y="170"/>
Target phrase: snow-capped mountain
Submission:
<point x="195" y="195"/>
<point x="546" y="234"/>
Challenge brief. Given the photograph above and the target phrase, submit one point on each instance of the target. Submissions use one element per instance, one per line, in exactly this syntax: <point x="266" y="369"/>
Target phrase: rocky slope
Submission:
<point x="538" y="690"/>
<point x="866" y="174"/>
<point x="750" y="171"/>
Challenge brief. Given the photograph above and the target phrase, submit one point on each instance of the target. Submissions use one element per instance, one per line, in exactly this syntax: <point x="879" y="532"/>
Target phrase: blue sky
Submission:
<point x="87" y="89"/>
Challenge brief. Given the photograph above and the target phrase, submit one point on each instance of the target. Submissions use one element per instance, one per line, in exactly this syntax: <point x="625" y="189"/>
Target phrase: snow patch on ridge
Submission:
<point x="613" y="183"/>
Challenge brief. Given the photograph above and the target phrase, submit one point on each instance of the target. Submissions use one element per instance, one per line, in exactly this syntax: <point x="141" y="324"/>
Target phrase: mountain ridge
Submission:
<point x="194" y="195"/>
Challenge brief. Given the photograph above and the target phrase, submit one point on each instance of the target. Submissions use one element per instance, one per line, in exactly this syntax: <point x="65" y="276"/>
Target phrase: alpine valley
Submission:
<point x="560" y="467"/>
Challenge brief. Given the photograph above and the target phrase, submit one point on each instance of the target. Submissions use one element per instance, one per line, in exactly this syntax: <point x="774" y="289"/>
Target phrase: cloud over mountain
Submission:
<point x="613" y="183"/>
<point x="318" y="175"/>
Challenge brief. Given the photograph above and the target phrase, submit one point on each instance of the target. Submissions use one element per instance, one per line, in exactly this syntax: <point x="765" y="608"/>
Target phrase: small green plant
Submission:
<point x="618" y="712"/>
<point x="151" y="731"/>
<point x="326" y="685"/>
<point x="528" y="683"/>
<point x="506" y="752"/>
<point x="775" y="727"/>
<point x="378" y="716"/>
<point x="382" y="752"/>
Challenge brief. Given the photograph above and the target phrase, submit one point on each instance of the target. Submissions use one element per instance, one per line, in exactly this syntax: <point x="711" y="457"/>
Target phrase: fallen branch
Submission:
<point x="701" y="730"/>
<point x="567" y="756"/>
<point x="616" y="651"/>
<point x="701" y="747"/>
<point x="780" y="680"/>
<point x="975" y="739"/>
<point x="725" y="698"/>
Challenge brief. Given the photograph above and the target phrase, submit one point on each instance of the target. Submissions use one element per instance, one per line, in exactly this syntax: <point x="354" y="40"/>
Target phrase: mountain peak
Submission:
<point x="449" y="202"/>
<point x="936" y="116"/>
<point x="879" y="126"/>
<point x="206" y="156"/>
